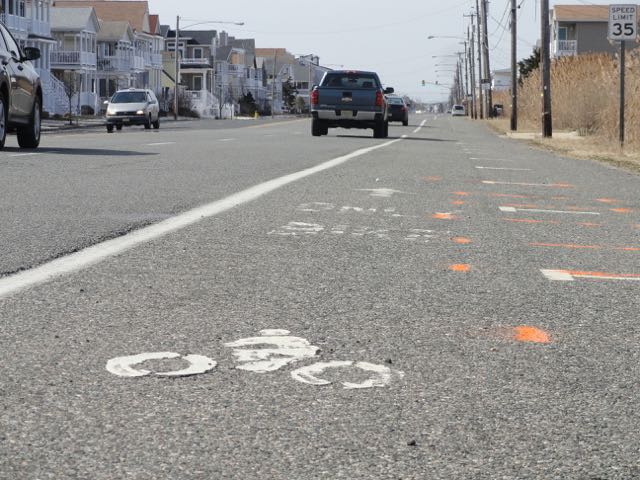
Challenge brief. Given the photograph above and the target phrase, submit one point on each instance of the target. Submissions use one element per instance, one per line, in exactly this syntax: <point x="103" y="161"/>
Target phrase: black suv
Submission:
<point x="20" y="92"/>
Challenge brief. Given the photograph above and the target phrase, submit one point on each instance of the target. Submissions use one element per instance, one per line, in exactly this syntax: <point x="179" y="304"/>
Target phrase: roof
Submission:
<point x="136" y="12"/>
<point x="72" y="19"/>
<point x="581" y="13"/>
<point x="154" y="24"/>
<point x="196" y="37"/>
<point x="115" y="31"/>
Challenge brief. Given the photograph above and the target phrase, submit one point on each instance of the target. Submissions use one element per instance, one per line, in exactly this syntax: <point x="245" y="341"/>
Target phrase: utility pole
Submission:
<point x="474" y="105"/>
<point x="514" y="65"/>
<point x="547" y="127"/>
<point x="485" y="51"/>
<point x="466" y="72"/>
<point x="177" y="79"/>
<point x="273" y="83"/>
<point x="480" y="93"/>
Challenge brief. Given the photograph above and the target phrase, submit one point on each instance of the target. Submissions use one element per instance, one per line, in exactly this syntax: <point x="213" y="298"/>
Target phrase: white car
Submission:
<point x="458" y="111"/>
<point x="133" y="106"/>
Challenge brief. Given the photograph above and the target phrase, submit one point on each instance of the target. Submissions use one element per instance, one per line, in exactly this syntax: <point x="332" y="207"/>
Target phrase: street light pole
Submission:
<point x="177" y="78"/>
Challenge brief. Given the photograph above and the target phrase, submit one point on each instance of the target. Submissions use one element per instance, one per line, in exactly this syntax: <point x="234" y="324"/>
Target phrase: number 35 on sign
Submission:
<point x="623" y="22"/>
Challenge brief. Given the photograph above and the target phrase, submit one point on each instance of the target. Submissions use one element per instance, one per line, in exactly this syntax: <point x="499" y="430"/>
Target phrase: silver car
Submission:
<point x="134" y="106"/>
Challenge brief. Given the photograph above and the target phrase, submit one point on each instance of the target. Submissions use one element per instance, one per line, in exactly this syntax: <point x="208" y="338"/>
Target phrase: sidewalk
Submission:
<point x="83" y="123"/>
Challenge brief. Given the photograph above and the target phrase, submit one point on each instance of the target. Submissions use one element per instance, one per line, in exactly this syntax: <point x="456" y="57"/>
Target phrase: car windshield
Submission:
<point x="458" y="107"/>
<point x="129" y="97"/>
<point x="350" y="80"/>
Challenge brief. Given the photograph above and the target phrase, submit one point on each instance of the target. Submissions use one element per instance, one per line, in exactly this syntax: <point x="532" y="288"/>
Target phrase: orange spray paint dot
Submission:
<point x="460" y="267"/>
<point x="461" y="194"/>
<point x="606" y="200"/>
<point x="458" y="203"/>
<point x="462" y="240"/>
<point x="443" y="216"/>
<point x="621" y="210"/>
<point x="531" y="335"/>
<point x="589" y="224"/>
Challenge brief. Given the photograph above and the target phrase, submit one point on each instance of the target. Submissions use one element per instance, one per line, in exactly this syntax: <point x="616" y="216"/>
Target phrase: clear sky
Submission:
<point x="389" y="37"/>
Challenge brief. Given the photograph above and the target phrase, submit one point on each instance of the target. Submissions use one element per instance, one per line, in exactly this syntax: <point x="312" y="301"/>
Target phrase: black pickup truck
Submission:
<point x="350" y="99"/>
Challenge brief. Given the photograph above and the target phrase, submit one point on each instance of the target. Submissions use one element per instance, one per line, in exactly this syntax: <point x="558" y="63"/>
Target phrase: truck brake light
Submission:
<point x="314" y="97"/>
<point x="379" y="99"/>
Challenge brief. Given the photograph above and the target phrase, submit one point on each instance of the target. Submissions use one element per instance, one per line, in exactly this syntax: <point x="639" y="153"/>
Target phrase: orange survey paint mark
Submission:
<point x="432" y="179"/>
<point x="562" y="185"/>
<point x="443" y="216"/>
<point x="529" y="334"/>
<point x="460" y="267"/>
<point x="461" y="240"/>
<point x="629" y="249"/>
<point x="458" y="203"/>
<point x="529" y="220"/>
<point x="590" y="224"/>
<point x="607" y="200"/>
<point x="461" y="194"/>
<point x="621" y="210"/>
<point x="575" y="273"/>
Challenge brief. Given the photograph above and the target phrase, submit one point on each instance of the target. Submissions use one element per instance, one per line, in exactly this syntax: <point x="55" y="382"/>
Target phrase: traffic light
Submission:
<point x="423" y="83"/>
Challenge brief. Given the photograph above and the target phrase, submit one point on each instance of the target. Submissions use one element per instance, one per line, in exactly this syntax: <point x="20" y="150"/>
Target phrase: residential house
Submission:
<point x="238" y="71"/>
<point x="501" y="80"/>
<point x="146" y="63"/>
<point x="307" y="72"/>
<point x="577" y="29"/>
<point x="116" y="47"/>
<point x="197" y="49"/>
<point x="73" y="58"/>
<point x="278" y="64"/>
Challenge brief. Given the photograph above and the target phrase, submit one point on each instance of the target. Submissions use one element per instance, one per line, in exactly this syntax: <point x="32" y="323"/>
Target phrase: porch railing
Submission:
<point x="566" y="48"/>
<point x="114" y="64"/>
<point x="15" y="23"/>
<point x="78" y="59"/>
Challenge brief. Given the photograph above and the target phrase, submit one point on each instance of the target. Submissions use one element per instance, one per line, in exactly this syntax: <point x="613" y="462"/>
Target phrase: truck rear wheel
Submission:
<point x="378" y="130"/>
<point x="316" y="127"/>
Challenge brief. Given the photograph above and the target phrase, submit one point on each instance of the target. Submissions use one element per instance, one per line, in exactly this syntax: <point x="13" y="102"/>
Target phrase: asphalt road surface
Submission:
<point x="256" y="303"/>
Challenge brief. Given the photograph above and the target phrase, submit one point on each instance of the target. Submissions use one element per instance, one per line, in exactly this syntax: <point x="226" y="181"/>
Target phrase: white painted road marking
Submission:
<point x="505" y="168"/>
<point x="381" y="378"/>
<point x="30" y="154"/>
<point x="123" y="366"/>
<point x="226" y="139"/>
<point x="537" y="210"/>
<point x="287" y="350"/>
<point x="97" y="253"/>
<point x="421" y="125"/>
<point x="571" y="275"/>
<point x="160" y="143"/>
<point x="382" y="192"/>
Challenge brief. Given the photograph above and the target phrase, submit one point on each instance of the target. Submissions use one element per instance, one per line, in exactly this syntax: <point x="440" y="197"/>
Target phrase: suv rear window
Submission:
<point x="396" y="101"/>
<point x="458" y="107"/>
<point x="350" y="80"/>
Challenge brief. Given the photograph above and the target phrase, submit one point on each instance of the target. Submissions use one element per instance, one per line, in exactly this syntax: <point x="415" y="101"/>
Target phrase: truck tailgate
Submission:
<point x="345" y="99"/>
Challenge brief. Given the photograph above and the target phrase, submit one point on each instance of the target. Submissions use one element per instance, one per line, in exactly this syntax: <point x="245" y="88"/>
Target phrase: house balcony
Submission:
<point x="17" y="25"/>
<point x="565" y="48"/>
<point x="138" y="63"/>
<point x="237" y="70"/>
<point x="195" y="62"/>
<point x="156" y="60"/>
<point x="39" y="27"/>
<point x="66" y="59"/>
<point x="114" y="64"/>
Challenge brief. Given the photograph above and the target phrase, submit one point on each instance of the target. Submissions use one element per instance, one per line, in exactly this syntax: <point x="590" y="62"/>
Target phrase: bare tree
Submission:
<point x="71" y="81"/>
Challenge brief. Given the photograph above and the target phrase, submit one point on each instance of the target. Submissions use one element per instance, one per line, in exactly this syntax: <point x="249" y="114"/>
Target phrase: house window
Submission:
<point x="562" y="33"/>
<point x="197" y="53"/>
<point x="197" y="83"/>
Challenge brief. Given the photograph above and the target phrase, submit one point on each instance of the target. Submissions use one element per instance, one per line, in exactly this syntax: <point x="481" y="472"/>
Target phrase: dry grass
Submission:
<point x="585" y="100"/>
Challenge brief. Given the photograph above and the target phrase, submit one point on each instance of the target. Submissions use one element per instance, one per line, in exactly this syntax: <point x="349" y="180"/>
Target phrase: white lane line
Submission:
<point x="482" y="159"/>
<point x="97" y="253"/>
<point x="535" y="210"/>
<point x="520" y="184"/>
<point x="31" y="154"/>
<point x="571" y="275"/>
<point x="160" y="143"/>
<point x="226" y="139"/>
<point x="421" y="125"/>
<point x="505" y="168"/>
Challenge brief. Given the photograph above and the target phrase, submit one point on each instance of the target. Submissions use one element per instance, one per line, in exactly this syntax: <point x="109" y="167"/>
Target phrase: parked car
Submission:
<point x="133" y="106"/>
<point x="350" y="99"/>
<point x="398" y="109"/>
<point x="498" y="110"/>
<point x="20" y="92"/>
<point x="458" y="111"/>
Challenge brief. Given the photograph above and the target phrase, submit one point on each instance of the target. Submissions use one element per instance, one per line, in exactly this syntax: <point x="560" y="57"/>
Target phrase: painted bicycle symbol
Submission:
<point x="272" y="350"/>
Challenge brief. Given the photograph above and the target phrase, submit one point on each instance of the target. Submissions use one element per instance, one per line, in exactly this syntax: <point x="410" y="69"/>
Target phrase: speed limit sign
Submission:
<point x="623" y="22"/>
